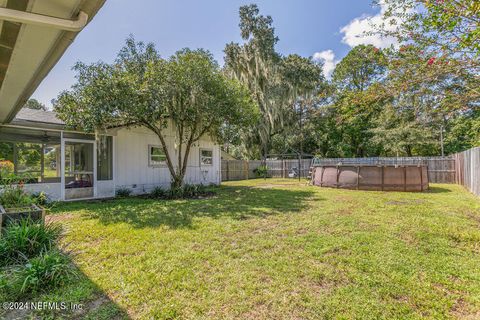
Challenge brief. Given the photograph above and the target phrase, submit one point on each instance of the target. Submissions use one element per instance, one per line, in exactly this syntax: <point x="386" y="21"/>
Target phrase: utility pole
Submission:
<point x="301" y="142"/>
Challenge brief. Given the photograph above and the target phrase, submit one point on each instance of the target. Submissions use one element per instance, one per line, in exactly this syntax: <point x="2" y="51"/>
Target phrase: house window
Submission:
<point x="206" y="157"/>
<point x="156" y="156"/>
<point x="105" y="158"/>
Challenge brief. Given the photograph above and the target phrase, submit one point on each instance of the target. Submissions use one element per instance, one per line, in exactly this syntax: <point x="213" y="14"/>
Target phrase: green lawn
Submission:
<point x="277" y="249"/>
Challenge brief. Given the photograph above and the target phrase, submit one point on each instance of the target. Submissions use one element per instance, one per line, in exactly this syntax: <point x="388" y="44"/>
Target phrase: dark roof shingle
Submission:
<point x="38" y="116"/>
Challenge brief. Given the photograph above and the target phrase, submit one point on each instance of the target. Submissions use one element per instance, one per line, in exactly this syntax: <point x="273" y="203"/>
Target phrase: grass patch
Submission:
<point x="265" y="249"/>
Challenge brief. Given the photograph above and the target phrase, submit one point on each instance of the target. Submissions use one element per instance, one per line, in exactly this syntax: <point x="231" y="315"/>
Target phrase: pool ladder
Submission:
<point x="309" y="177"/>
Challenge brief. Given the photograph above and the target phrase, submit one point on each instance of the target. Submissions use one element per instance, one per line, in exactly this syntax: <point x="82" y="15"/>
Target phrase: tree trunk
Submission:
<point x="264" y="152"/>
<point x="177" y="181"/>
<point x="301" y="143"/>
<point x="178" y="174"/>
<point x="408" y="149"/>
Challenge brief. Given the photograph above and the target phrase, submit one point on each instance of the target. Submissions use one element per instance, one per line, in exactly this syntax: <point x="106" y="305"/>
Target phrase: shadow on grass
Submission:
<point x="438" y="190"/>
<point x="80" y="298"/>
<point x="235" y="202"/>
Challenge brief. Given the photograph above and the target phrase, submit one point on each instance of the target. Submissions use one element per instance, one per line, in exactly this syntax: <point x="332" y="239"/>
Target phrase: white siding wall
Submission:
<point x="131" y="161"/>
<point x="105" y="189"/>
<point x="53" y="190"/>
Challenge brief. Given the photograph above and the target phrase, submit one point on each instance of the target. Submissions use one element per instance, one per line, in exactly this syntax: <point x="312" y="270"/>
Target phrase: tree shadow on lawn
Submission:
<point x="78" y="299"/>
<point x="236" y="202"/>
<point x="438" y="190"/>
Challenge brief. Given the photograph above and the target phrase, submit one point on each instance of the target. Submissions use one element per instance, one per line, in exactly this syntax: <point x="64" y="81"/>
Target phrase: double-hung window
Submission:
<point x="156" y="156"/>
<point x="206" y="157"/>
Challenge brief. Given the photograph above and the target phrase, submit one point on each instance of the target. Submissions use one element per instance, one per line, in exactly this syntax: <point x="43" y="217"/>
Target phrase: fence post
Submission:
<point x="246" y="167"/>
<point x="358" y="177"/>
<point x="383" y="178"/>
<point x="321" y="176"/>
<point x="228" y="171"/>
<point x="421" y="177"/>
<point x="338" y="175"/>
<point x="299" y="167"/>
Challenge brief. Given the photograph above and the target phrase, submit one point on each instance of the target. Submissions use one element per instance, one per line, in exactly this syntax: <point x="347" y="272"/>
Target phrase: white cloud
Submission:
<point x="354" y="31"/>
<point x="328" y="59"/>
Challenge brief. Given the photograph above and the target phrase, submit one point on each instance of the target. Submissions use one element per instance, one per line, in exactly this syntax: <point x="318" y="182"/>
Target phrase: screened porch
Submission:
<point x="65" y="165"/>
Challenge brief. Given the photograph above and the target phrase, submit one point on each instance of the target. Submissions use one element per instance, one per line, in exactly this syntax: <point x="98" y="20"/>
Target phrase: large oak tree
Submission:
<point x="142" y="89"/>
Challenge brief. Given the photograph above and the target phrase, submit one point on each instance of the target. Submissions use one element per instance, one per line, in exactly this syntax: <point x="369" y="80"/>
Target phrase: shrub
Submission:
<point x="158" y="192"/>
<point x="6" y="169"/>
<point x="41" y="198"/>
<point x="48" y="270"/>
<point x="188" y="191"/>
<point x="10" y="286"/>
<point x="196" y="190"/>
<point x="175" y="193"/>
<point x="261" y="171"/>
<point x="15" y="196"/>
<point x="123" y="192"/>
<point x="25" y="238"/>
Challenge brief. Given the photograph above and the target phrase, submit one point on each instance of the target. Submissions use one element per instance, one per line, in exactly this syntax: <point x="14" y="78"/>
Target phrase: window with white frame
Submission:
<point x="156" y="156"/>
<point x="206" y="157"/>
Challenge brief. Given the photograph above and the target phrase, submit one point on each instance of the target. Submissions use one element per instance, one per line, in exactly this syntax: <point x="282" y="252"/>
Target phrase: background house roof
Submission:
<point x="39" y="116"/>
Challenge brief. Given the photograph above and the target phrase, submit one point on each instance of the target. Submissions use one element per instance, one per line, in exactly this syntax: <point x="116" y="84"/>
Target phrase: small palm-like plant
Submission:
<point x="158" y="193"/>
<point x="25" y="238"/>
<point x="48" y="270"/>
<point x="123" y="192"/>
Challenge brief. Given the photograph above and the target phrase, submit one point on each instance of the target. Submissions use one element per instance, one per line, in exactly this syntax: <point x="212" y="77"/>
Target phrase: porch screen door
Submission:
<point x="79" y="170"/>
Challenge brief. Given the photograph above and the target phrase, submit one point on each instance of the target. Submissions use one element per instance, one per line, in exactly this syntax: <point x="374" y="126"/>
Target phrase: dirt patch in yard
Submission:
<point x="475" y="216"/>
<point x="344" y="198"/>
<point x="405" y="202"/>
<point x="462" y="310"/>
<point x="271" y="186"/>
<point x="58" y="217"/>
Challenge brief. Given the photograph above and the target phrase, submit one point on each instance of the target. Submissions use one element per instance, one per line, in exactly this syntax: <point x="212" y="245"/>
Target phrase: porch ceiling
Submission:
<point x="28" y="52"/>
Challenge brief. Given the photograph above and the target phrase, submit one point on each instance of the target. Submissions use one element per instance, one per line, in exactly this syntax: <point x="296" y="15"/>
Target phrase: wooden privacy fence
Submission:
<point x="245" y="169"/>
<point x="440" y="169"/>
<point x="462" y="168"/>
<point x="239" y="169"/>
<point x="467" y="166"/>
<point x="281" y="168"/>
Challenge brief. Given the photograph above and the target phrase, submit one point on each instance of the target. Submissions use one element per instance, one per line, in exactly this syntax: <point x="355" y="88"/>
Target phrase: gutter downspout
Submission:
<point x="43" y="20"/>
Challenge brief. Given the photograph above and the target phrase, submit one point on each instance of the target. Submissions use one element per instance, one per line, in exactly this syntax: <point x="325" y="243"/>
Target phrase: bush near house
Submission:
<point x="189" y="191"/>
<point x="123" y="192"/>
<point x="26" y="239"/>
<point x="6" y="169"/>
<point x="12" y="192"/>
<point x="30" y="261"/>
<point x="14" y="196"/>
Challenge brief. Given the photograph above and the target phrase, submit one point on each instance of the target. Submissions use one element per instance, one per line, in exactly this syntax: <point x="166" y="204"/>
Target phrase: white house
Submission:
<point x="69" y="165"/>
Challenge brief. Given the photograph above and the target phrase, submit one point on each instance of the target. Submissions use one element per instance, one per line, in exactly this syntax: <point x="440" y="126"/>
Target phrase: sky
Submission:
<point x="322" y="29"/>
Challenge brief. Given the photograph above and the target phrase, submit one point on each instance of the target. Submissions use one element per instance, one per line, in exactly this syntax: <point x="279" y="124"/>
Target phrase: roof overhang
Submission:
<point x="31" y="45"/>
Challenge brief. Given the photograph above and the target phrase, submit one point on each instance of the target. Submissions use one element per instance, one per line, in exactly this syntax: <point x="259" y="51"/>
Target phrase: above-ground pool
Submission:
<point x="371" y="177"/>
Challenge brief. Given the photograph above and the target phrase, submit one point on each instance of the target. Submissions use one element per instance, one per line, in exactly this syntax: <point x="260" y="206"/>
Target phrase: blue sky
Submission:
<point x="324" y="29"/>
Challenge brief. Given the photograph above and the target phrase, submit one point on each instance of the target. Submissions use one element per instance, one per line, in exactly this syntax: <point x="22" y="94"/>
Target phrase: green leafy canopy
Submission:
<point x="140" y="88"/>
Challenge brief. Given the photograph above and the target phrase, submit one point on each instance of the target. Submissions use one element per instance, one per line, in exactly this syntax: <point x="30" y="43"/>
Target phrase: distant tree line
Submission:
<point x="417" y="99"/>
